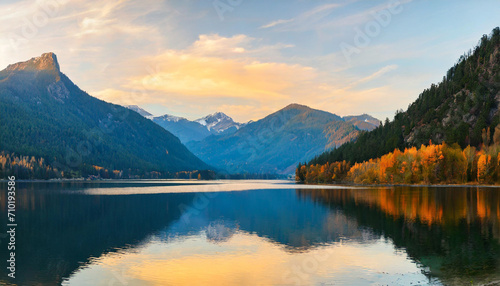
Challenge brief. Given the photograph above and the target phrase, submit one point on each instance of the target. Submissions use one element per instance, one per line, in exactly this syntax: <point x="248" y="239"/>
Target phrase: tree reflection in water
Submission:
<point x="453" y="231"/>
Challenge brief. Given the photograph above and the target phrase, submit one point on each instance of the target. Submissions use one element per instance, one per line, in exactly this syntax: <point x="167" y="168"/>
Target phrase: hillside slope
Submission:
<point x="456" y="110"/>
<point x="184" y="129"/>
<point x="363" y="122"/>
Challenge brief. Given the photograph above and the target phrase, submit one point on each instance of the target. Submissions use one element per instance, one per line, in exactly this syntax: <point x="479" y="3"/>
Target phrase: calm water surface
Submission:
<point x="251" y="233"/>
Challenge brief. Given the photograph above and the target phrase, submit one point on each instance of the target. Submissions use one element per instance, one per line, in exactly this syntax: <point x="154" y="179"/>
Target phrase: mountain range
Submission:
<point x="45" y="115"/>
<point x="276" y="143"/>
<point x="186" y="130"/>
<point x="219" y="123"/>
<point x="197" y="130"/>
<point x="271" y="145"/>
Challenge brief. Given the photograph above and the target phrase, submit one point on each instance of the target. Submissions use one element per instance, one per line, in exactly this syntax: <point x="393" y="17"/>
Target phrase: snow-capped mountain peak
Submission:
<point x="172" y="118"/>
<point x="218" y="122"/>
<point x="140" y="111"/>
<point x="186" y="130"/>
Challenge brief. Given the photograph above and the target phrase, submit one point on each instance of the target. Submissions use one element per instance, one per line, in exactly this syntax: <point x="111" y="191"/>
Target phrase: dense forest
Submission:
<point x="456" y="110"/>
<point x="462" y="110"/>
<point x="31" y="167"/>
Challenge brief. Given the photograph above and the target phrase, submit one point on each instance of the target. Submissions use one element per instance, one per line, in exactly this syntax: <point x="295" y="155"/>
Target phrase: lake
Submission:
<point x="251" y="233"/>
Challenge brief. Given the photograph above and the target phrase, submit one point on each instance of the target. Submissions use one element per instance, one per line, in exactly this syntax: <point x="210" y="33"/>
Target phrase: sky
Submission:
<point x="248" y="58"/>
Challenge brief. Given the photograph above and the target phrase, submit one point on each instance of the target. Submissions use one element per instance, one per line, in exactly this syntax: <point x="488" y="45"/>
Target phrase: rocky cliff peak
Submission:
<point x="46" y="62"/>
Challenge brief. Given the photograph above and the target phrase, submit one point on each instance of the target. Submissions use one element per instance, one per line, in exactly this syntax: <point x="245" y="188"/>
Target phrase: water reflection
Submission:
<point x="57" y="233"/>
<point x="455" y="232"/>
<point x="270" y="235"/>
<point x="248" y="259"/>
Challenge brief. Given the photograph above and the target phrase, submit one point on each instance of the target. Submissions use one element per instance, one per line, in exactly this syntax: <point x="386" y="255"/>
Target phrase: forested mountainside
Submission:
<point x="51" y="128"/>
<point x="459" y="109"/>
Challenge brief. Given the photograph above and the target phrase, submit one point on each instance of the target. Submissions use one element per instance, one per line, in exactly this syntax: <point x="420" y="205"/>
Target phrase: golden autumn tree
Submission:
<point x="484" y="168"/>
<point x="454" y="164"/>
<point x="471" y="157"/>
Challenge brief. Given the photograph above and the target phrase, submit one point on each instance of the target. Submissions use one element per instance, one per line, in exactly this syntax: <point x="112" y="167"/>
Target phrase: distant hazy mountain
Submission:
<point x="184" y="129"/>
<point x="197" y="130"/>
<point x="44" y="114"/>
<point x="276" y="143"/>
<point x="181" y="127"/>
<point x="363" y="122"/>
<point x="140" y="111"/>
<point x="219" y="123"/>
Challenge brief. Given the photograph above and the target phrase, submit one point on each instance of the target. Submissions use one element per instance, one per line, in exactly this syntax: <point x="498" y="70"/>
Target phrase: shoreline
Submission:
<point x="118" y="180"/>
<point x="405" y="185"/>
<point x="96" y="180"/>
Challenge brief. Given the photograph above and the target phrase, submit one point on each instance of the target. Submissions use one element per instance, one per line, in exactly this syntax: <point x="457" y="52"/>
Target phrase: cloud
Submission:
<point x="303" y="20"/>
<point x="375" y="75"/>
<point x="274" y="23"/>
<point x="215" y="45"/>
<point x="78" y="31"/>
<point x="147" y="52"/>
<point x="220" y="67"/>
<point x="365" y="15"/>
<point x="192" y="75"/>
<point x="217" y="73"/>
<point x="116" y="95"/>
<point x="322" y="18"/>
